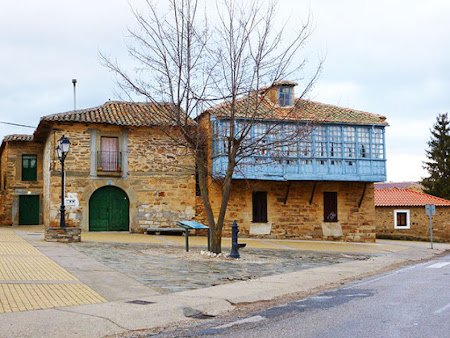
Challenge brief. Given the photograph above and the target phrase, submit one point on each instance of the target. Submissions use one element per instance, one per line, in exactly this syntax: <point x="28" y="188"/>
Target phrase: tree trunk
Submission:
<point x="204" y="194"/>
<point x="226" y="191"/>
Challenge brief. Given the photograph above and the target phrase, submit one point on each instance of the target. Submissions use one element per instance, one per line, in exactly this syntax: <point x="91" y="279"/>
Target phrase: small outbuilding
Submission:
<point x="400" y="214"/>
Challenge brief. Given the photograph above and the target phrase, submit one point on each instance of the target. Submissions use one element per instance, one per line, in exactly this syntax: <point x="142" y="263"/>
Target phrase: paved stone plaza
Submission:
<point x="168" y="269"/>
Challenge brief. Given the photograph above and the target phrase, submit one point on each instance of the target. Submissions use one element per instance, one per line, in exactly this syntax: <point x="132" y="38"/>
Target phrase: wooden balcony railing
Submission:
<point x="109" y="161"/>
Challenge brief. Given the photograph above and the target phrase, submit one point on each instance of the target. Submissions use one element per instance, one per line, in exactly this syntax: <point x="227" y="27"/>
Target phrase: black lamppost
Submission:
<point x="62" y="150"/>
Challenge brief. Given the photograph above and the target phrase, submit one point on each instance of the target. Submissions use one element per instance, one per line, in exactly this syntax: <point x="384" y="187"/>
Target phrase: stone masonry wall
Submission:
<point x="12" y="185"/>
<point x="297" y="218"/>
<point x="3" y="195"/>
<point x="158" y="179"/>
<point x="419" y="224"/>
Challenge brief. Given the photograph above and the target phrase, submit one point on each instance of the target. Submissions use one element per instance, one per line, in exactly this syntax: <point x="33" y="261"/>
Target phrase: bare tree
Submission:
<point x="221" y="68"/>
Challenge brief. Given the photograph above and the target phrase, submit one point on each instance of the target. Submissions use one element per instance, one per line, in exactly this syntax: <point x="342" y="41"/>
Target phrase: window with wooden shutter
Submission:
<point x="401" y="219"/>
<point x="109" y="154"/>
<point x="330" y="213"/>
<point x="259" y="206"/>
<point x="29" y="168"/>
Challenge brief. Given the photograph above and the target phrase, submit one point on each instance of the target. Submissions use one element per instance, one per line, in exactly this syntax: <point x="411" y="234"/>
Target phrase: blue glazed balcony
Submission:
<point x="326" y="153"/>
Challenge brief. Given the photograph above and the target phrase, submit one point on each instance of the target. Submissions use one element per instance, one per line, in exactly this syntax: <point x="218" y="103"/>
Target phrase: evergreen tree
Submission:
<point x="438" y="154"/>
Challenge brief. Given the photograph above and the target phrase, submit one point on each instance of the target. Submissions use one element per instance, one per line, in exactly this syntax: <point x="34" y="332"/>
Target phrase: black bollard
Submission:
<point x="234" y="241"/>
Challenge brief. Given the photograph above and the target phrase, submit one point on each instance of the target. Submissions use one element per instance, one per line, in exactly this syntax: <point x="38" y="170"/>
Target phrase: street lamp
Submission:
<point x="62" y="150"/>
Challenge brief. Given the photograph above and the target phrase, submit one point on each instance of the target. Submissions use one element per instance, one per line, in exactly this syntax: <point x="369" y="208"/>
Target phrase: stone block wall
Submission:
<point x="11" y="184"/>
<point x="297" y="218"/>
<point x="158" y="176"/>
<point x="419" y="224"/>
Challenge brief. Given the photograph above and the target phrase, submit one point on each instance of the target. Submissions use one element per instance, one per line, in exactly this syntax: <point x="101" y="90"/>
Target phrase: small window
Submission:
<point x="401" y="219"/>
<point x="29" y="168"/>
<point x="259" y="207"/>
<point x="330" y="207"/>
<point x="285" y="96"/>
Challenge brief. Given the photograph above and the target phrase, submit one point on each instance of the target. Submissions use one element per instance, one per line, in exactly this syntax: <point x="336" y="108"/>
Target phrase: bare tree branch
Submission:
<point x="193" y="68"/>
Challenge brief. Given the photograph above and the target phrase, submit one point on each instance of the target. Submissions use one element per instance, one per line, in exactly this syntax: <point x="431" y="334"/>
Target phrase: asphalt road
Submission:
<point x="410" y="302"/>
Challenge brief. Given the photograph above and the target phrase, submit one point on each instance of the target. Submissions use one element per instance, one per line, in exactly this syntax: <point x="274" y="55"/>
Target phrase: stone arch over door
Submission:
<point x="109" y="209"/>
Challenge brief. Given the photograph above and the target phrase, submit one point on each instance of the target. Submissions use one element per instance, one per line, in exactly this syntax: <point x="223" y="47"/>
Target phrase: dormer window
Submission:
<point x="285" y="96"/>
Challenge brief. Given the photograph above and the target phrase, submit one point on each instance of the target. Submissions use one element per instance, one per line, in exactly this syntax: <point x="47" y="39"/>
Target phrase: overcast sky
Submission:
<point x="386" y="57"/>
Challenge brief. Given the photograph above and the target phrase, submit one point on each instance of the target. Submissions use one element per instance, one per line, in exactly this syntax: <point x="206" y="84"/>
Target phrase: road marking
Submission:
<point x="320" y="297"/>
<point x="253" y="319"/>
<point x="442" y="309"/>
<point x="438" y="265"/>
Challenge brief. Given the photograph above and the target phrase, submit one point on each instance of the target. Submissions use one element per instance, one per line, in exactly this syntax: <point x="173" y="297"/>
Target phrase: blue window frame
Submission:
<point x="285" y="96"/>
<point x="377" y="143"/>
<point x="364" y="143"/>
<point x="293" y="151"/>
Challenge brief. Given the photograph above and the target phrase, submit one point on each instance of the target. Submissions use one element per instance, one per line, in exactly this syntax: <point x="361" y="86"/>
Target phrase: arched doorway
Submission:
<point x="109" y="210"/>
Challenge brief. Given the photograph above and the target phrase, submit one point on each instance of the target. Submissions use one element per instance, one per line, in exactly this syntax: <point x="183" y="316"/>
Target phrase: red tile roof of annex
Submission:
<point x="406" y="197"/>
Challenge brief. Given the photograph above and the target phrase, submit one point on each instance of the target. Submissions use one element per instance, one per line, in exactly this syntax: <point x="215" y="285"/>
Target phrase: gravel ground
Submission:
<point x="171" y="269"/>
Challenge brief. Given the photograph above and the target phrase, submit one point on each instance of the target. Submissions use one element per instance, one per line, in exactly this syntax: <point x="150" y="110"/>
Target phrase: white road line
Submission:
<point x="253" y="319"/>
<point x="320" y="297"/>
<point x="358" y="295"/>
<point x="442" y="309"/>
<point x="438" y="265"/>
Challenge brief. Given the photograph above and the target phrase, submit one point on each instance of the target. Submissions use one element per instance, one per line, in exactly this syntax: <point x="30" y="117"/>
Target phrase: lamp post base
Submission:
<point x="62" y="235"/>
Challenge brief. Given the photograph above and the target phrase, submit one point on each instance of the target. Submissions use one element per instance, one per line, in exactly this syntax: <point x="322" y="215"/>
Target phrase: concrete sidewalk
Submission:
<point x="120" y="314"/>
<point x="29" y="280"/>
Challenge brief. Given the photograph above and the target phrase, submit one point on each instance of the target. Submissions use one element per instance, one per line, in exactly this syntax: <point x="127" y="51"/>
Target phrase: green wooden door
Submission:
<point x="108" y="210"/>
<point x="29" y="209"/>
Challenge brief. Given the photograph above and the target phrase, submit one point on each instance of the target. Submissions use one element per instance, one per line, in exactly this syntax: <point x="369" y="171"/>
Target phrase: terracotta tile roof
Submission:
<point x="303" y="110"/>
<point x="119" y="113"/>
<point x="18" y="138"/>
<point x="406" y="197"/>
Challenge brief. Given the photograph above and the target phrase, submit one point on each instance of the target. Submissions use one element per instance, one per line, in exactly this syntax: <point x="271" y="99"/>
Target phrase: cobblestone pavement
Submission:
<point x="29" y="280"/>
<point x="169" y="269"/>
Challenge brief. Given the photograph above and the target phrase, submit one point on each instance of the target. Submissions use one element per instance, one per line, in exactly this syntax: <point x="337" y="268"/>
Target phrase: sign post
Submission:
<point x="430" y="210"/>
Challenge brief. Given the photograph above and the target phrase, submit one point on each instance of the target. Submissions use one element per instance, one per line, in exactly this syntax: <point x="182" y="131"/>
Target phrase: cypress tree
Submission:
<point x="438" y="155"/>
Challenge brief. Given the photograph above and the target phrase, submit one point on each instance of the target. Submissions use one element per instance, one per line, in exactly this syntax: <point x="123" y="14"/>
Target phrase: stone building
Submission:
<point x="318" y="187"/>
<point x="125" y="170"/>
<point x="21" y="180"/>
<point x="400" y="214"/>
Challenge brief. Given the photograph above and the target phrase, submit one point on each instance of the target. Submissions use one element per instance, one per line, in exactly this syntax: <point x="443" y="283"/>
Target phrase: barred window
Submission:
<point x="335" y="141"/>
<point x="225" y="131"/>
<point x="320" y="141"/>
<point x="259" y="136"/>
<point x="377" y="143"/>
<point x="364" y="142"/>
<point x="305" y="148"/>
<point x="349" y="142"/>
